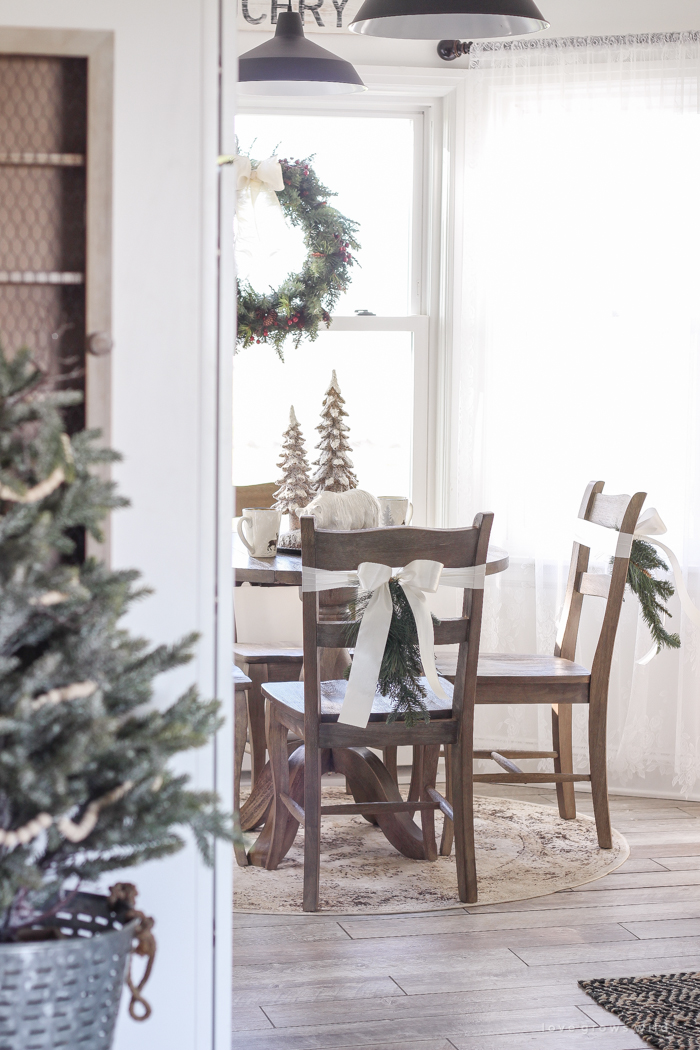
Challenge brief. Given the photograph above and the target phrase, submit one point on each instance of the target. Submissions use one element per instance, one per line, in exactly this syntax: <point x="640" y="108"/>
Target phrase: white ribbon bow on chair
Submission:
<point x="418" y="578"/>
<point x="415" y="579"/>
<point x="619" y="545"/>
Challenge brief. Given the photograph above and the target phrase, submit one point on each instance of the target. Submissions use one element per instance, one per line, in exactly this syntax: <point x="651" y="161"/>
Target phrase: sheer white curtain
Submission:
<point x="577" y="358"/>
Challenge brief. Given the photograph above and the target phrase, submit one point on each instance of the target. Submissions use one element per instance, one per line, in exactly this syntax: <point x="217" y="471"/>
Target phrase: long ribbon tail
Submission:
<point x="426" y="637"/>
<point x="367" y="661"/>
<point x="648" y="656"/>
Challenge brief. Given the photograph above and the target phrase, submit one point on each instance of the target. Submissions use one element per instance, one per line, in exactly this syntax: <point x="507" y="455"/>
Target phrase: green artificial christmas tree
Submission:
<point x="84" y="780"/>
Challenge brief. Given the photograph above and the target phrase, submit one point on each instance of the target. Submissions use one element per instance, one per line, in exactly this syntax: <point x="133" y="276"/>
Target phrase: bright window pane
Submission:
<point x="368" y="162"/>
<point x="375" y="374"/>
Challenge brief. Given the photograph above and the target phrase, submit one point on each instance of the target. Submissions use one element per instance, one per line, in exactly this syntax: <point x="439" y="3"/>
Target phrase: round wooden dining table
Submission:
<point x="284" y="570"/>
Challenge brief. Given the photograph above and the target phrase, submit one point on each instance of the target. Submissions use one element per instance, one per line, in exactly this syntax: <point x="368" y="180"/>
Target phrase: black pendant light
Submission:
<point x="289" y="64"/>
<point x="440" y="19"/>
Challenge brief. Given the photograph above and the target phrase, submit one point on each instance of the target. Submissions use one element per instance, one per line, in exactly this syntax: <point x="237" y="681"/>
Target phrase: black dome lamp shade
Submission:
<point x="289" y="64"/>
<point x="440" y="19"/>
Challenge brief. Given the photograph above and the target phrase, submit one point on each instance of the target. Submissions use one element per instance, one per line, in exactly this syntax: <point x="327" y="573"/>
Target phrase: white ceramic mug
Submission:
<point x="263" y="527"/>
<point x="395" y="510"/>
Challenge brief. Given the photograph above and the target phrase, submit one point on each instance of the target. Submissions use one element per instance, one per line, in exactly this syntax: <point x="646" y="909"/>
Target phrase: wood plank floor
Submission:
<point x="501" y="977"/>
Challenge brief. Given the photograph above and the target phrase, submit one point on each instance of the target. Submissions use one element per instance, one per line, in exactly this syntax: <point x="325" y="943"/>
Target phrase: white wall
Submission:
<point x="568" y="18"/>
<point x="165" y="388"/>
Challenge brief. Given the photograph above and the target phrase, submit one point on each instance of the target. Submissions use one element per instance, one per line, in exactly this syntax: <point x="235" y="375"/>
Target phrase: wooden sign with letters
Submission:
<point x="318" y="16"/>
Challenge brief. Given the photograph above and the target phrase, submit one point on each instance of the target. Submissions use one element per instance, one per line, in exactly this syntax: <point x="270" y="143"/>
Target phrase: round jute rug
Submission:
<point x="522" y="850"/>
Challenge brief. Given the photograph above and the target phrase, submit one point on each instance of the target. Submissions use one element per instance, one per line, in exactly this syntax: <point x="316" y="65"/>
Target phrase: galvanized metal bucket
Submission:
<point x="64" y="994"/>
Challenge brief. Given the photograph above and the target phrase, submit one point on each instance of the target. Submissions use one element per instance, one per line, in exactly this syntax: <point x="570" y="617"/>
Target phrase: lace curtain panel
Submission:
<point x="577" y="359"/>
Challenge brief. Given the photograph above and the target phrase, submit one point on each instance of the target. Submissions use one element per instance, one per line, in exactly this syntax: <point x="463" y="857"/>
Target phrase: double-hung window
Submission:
<point x="377" y="344"/>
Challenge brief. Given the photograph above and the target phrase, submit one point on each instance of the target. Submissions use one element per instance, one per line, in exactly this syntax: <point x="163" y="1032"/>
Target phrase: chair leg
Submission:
<point x="414" y="788"/>
<point x="431" y="756"/>
<point x="448" y="828"/>
<point x="597" y="748"/>
<point x="562" y="743"/>
<point x="391" y="762"/>
<point x="258" y="674"/>
<point x="312" y="827"/>
<point x="240" y="729"/>
<point x="463" y="807"/>
<point x="279" y="767"/>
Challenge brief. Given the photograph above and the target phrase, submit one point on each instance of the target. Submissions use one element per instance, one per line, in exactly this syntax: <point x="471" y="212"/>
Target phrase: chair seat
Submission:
<point x="548" y="670"/>
<point x="515" y="678"/>
<point x="291" y="695"/>
<point x="280" y="653"/>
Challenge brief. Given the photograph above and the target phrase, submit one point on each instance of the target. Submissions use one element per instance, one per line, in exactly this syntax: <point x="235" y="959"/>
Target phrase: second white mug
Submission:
<point x="263" y="527"/>
<point x="395" y="510"/>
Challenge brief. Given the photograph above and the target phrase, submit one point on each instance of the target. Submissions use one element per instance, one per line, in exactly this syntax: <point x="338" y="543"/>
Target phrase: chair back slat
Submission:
<point x="608" y="510"/>
<point x="334" y="634"/>
<point x="452" y="631"/>
<point x="253" y="496"/>
<point x="596" y="584"/>
<point x="455" y="548"/>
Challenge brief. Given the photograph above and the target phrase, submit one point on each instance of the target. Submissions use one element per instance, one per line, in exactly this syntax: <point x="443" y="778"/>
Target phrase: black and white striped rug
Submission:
<point x="664" y="1010"/>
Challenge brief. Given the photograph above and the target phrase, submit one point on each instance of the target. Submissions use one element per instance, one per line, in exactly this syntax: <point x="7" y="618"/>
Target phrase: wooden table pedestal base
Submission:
<point x="369" y="781"/>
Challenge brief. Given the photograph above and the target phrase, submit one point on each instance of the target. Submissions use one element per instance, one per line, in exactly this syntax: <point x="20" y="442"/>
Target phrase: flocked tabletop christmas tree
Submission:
<point x="335" y="473"/>
<point x="295" y="491"/>
<point x="84" y="780"/>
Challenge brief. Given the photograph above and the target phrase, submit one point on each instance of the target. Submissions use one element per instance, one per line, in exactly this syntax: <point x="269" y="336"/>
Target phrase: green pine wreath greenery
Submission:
<point x="305" y="299"/>
<point x="652" y="593"/>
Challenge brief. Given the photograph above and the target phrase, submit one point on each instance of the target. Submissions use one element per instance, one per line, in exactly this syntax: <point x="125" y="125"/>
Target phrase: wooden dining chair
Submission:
<point x="264" y="662"/>
<point x="262" y="495"/>
<point x="310" y="709"/>
<point x="505" y="678"/>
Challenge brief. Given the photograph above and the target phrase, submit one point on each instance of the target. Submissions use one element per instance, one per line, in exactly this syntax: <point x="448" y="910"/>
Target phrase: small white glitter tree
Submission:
<point x="335" y="473"/>
<point x="295" y="491"/>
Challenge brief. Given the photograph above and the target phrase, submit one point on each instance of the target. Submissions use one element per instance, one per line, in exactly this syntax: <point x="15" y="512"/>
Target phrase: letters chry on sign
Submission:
<point x="318" y="16"/>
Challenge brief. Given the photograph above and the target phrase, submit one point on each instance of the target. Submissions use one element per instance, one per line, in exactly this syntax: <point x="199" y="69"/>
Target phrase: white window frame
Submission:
<point x="422" y="95"/>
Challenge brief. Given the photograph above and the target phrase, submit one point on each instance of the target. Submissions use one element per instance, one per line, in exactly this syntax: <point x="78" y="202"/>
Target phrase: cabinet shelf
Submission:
<point x="40" y="277"/>
<point x="47" y="160"/>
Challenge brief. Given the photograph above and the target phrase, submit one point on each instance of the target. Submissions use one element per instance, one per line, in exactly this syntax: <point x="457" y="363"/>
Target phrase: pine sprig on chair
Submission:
<point x="401" y="670"/>
<point x="652" y="593"/>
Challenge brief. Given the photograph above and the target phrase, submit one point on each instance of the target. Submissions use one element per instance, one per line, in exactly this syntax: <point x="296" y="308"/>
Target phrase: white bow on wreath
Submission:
<point x="267" y="176"/>
<point x="262" y="235"/>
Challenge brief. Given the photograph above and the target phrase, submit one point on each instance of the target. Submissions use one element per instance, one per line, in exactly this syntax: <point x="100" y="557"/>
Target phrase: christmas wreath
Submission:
<point x="307" y="298"/>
